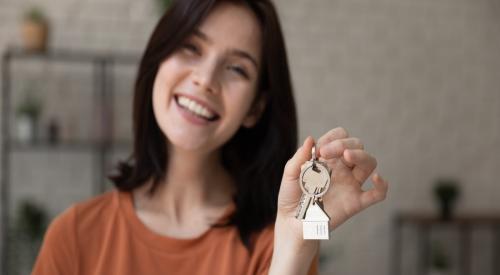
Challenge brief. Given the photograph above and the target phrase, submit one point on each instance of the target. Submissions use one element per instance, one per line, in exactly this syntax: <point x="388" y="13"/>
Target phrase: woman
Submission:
<point x="206" y="189"/>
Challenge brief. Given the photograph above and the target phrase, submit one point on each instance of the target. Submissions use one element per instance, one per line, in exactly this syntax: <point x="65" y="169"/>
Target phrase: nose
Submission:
<point x="205" y="76"/>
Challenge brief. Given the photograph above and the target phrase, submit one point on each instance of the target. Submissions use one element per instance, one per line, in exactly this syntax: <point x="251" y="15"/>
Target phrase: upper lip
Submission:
<point x="201" y="102"/>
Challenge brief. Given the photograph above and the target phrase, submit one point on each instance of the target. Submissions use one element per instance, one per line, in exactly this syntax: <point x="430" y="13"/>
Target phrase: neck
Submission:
<point x="194" y="182"/>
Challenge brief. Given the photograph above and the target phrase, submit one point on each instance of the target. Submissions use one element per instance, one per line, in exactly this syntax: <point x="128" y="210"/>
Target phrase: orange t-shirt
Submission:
<point x="104" y="236"/>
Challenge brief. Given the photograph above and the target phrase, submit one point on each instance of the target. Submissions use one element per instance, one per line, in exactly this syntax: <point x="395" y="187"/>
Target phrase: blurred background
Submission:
<point x="417" y="81"/>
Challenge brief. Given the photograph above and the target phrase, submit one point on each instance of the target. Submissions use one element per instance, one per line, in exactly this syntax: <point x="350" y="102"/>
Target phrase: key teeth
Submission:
<point x="299" y="207"/>
<point x="297" y="214"/>
<point x="297" y="211"/>
<point x="305" y="202"/>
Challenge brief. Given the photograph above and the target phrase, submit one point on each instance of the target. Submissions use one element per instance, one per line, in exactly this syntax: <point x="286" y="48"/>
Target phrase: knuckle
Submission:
<point x="331" y="132"/>
<point x="320" y="142"/>
<point x="338" y="146"/>
<point x="341" y="131"/>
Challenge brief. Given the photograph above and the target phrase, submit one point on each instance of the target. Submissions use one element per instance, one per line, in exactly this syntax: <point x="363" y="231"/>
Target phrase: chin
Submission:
<point x="183" y="141"/>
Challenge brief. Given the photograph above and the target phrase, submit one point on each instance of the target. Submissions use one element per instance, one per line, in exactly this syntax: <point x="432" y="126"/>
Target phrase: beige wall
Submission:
<point x="417" y="81"/>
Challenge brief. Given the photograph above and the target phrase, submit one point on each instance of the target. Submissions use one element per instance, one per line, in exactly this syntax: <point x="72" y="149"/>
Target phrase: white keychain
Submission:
<point x="314" y="182"/>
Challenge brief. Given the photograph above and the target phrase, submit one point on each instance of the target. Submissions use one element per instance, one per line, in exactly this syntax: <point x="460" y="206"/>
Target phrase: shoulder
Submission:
<point x="96" y="207"/>
<point x="84" y="212"/>
<point x="96" y="215"/>
<point x="79" y="212"/>
<point x="60" y="251"/>
<point x="96" y="203"/>
<point x="65" y="227"/>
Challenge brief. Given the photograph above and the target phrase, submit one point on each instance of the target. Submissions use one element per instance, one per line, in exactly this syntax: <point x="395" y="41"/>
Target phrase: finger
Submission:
<point x="335" y="148"/>
<point x="377" y="193"/>
<point x="362" y="163"/>
<point x="303" y="154"/>
<point x="333" y="134"/>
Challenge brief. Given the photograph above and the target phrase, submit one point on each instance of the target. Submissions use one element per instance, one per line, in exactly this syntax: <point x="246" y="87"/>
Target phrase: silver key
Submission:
<point x="314" y="182"/>
<point x="314" y="178"/>
<point x="305" y="201"/>
<point x="308" y="192"/>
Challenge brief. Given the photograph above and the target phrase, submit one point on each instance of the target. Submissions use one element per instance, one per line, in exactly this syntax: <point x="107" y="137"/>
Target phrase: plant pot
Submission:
<point x="26" y="129"/>
<point x="446" y="208"/>
<point x="35" y="35"/>
<point x="446" y="191"/>
<point x="438" y="272"/>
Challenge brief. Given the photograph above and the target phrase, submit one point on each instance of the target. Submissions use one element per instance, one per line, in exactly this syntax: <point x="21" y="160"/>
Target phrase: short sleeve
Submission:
<point x="58" y="253"/>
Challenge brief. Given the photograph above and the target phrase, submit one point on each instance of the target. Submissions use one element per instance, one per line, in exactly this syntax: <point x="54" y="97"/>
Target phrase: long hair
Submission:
<point x="254" y="157"/>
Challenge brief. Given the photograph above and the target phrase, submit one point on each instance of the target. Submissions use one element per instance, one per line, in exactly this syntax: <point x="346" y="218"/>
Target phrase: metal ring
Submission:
<point x="323" y="169"/>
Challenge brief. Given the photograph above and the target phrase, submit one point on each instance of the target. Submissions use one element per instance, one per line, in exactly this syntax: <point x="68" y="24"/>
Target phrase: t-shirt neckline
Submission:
<point x="162" y="242"/>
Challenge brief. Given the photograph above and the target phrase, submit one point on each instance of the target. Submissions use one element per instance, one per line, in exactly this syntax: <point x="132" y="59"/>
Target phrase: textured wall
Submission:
<point x="417" y="81"/>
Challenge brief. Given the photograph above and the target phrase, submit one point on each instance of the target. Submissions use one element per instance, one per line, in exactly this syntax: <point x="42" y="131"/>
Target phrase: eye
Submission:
<point x="190" y="48"/>
<point x="238" y="70"/>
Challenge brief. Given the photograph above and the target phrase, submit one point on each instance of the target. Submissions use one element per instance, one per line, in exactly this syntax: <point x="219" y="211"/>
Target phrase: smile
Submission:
<point x="196" y="108"/>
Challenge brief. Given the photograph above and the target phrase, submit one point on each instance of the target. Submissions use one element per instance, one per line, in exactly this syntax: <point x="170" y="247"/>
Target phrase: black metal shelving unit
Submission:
<point x="426" y="223"/>
<point x="103" y="85"/>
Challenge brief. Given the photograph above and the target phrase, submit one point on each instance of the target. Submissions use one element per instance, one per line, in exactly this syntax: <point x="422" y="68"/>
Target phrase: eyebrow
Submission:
<point x="236" y="52"/>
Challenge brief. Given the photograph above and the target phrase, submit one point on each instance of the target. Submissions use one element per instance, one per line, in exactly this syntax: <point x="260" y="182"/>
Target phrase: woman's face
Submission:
<point x="204" y="91"/>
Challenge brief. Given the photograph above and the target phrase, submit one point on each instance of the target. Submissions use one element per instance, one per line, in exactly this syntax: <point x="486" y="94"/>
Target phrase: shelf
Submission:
<point x="459" y="219"/>
<point x="425" y="223"/>
<point x="76" y="146"/>
<point x="104" y="67"/>
<point x="70" y="55"/>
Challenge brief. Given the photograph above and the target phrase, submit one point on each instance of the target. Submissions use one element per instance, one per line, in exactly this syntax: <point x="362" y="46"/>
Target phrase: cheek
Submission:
<point x="169" y="73"/>
<point x="162" y="86"/>
<point x="159" y="93"/>
<point x="239" y="102"/>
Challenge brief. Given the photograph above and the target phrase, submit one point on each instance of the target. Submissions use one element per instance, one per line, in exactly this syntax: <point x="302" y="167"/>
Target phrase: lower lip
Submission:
<point x="190" y="116"/>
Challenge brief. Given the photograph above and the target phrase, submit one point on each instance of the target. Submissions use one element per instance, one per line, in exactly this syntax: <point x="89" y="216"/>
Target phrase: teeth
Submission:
<point x="195" y="107"/>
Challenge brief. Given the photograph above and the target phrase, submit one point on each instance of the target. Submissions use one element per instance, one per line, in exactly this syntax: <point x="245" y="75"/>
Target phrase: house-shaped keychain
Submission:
<point x="315" y="224"/>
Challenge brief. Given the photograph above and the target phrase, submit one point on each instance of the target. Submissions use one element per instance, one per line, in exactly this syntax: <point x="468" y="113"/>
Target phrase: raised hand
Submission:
<point x="351" y="166"/>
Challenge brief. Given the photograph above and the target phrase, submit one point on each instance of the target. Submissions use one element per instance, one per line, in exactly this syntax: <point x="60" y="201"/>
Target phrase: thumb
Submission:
<point x="303" y="154"/>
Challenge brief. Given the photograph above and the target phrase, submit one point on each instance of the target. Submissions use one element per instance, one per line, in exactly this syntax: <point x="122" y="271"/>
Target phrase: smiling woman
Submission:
<point x="215" y="68"/>
<point x="206" y="189"/>
<point x="212" y="82"/>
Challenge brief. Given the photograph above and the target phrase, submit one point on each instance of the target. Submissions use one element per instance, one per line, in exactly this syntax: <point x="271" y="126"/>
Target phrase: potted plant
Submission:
<point x="26" y="235"/>
<point x="31" y="220"/>
<point x="446" y="191"/>
<point x="27" y="114"/>
<point x="35" y="30"/>
<point x="439" y="262"/>
<point x="163" y="5"/>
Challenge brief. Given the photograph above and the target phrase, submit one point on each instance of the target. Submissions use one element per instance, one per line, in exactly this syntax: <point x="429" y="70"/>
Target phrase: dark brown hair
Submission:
<point x="254" y="157"/>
